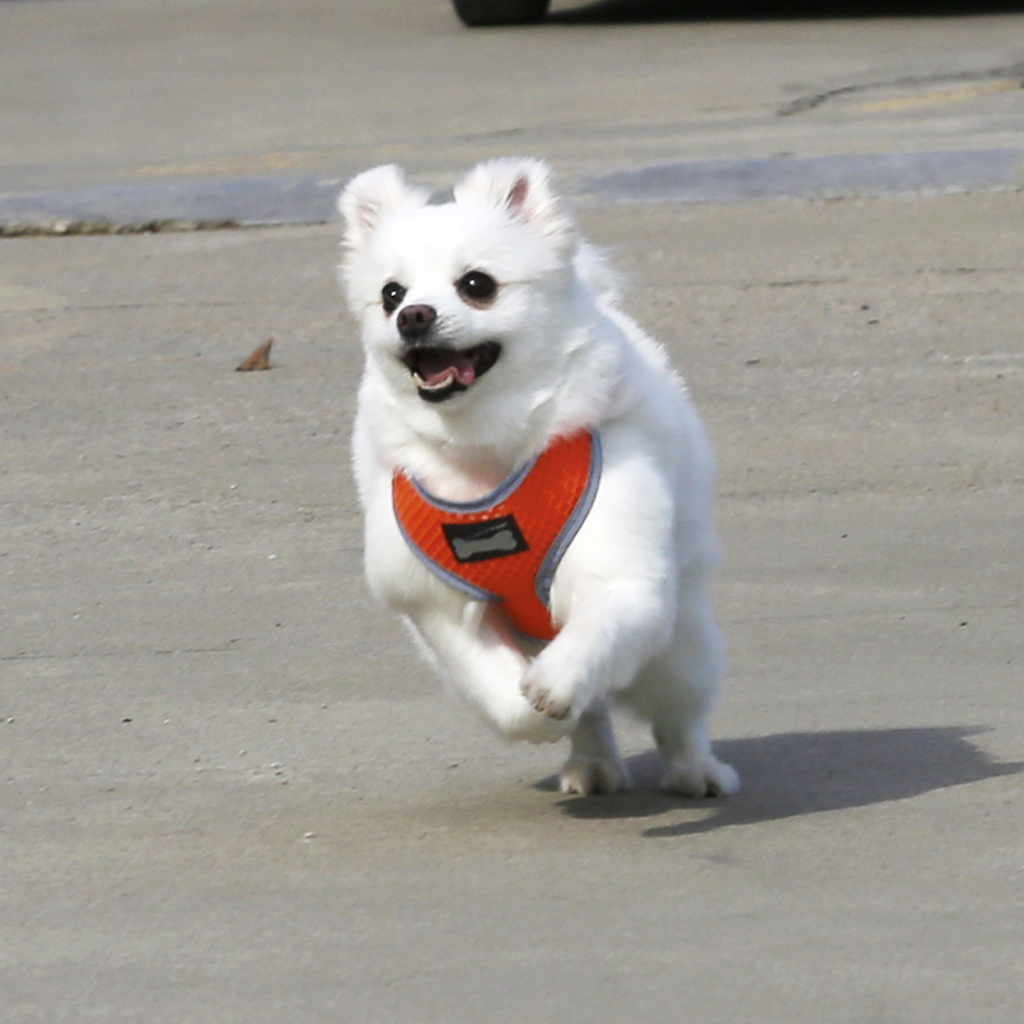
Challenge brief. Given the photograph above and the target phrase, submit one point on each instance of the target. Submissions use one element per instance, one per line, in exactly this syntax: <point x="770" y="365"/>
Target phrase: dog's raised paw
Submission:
<point x="545" y="704"/>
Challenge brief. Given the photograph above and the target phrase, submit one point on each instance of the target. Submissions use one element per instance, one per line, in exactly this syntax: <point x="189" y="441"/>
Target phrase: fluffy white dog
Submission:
<point x="500" y="371"/>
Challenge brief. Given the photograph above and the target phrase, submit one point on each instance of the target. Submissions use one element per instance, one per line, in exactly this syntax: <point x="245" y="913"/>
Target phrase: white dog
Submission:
<point x="510" y="411"/>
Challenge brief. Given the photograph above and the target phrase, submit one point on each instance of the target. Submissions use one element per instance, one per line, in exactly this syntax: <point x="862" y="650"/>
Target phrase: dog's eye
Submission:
<point x="476" y="286"/>
<point x="392" y="294"/>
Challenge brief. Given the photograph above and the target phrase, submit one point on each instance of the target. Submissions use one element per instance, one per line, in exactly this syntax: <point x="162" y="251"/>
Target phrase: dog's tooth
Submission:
<point x="437" y="385"/>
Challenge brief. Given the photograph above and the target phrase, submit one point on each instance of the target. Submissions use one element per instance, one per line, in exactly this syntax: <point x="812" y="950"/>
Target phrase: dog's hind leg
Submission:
<point x="594" y="765"/>
<point x="676" y="691"/>
<point x="691" y="769"/>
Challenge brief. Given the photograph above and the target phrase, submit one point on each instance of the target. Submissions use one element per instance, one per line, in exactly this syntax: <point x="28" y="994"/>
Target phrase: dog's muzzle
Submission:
<point x="440" y="371"/>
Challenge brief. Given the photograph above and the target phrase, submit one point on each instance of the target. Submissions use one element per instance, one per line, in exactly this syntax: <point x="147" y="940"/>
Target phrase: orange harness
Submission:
<point x="506" y="546"/>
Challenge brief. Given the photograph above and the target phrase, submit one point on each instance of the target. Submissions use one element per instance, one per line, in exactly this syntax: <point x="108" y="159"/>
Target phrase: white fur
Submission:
<point x="631" y="594"/>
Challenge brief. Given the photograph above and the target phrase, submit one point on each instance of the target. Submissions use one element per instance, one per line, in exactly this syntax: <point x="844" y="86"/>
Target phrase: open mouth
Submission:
<point x="440" y="372"/>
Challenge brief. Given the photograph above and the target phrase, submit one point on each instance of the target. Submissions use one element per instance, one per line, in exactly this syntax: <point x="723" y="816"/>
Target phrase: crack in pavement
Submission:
<point x="804" y="103"/>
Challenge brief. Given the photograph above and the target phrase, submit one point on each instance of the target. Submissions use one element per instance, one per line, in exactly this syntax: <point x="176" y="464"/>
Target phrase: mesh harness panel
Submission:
<point x="506" y="546"/>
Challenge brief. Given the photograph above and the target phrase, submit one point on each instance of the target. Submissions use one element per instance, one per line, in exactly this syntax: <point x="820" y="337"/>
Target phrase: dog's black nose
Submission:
<point x="415" y="321"/>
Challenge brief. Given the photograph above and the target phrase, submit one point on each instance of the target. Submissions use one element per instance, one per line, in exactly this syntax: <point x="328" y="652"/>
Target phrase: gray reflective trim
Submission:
<point x="546" y="573"/>
<point x="484" y="504"/>
<point x="526" y="636"/>
<point x="477" y="593"/>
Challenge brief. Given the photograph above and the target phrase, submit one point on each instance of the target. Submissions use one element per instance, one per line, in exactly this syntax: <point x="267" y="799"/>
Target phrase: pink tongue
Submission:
<point x="434" y="367"/>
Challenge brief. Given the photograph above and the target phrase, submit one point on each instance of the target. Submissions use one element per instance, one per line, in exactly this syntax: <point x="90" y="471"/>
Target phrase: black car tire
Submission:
<point x="500" y="12"/>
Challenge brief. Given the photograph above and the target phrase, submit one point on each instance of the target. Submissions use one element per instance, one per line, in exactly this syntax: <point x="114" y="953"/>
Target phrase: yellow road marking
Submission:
<point x="927" y="99"/>
<point x="235" y="164"/>
<point x="16" y="298"/>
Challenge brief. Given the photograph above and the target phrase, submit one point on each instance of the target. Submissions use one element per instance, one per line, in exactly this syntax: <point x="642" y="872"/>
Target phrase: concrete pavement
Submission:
<point x="229" y="792"/>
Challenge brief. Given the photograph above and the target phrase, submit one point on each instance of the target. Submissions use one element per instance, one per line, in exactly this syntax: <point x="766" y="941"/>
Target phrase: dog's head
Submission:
<point x="457" y="298"/>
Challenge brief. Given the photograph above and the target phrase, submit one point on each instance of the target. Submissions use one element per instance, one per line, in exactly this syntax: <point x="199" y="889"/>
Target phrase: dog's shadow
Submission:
<point x="793" y="774"/>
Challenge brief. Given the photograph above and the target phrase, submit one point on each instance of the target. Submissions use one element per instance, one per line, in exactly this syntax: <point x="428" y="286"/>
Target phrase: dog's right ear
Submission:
<point x="522" y="187"/>
<point x="370" y="196"/>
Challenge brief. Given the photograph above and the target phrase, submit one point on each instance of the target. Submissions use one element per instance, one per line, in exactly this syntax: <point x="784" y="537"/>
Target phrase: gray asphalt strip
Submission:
<point x="186" y="204"/>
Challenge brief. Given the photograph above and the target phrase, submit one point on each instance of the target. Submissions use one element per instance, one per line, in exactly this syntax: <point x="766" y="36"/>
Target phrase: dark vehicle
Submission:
<point x="500" y="12"/>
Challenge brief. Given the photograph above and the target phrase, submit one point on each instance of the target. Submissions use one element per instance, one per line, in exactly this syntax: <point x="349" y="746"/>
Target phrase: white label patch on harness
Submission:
<point x="477" y="542"/>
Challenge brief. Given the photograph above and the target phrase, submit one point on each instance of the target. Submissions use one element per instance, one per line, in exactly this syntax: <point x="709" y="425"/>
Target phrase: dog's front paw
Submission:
<point x="711" y="778"/>
<point x="544" y="700"/>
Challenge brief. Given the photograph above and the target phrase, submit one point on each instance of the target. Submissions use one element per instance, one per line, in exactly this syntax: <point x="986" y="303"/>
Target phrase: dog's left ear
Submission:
<point x="522" y="186"/>
<point x="370" y="196"/>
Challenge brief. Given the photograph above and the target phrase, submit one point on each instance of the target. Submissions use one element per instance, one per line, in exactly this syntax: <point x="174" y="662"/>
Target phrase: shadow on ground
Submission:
<point x="763" y="10"/>
<point x="799" y="773"/>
